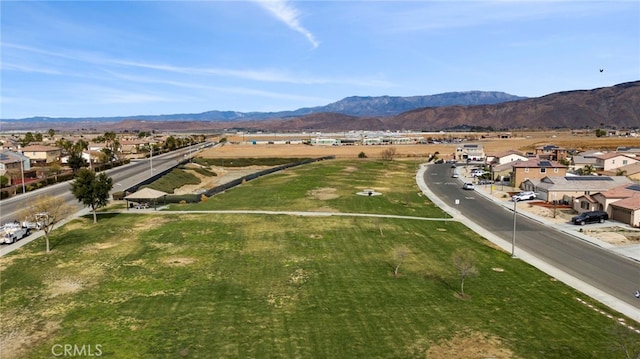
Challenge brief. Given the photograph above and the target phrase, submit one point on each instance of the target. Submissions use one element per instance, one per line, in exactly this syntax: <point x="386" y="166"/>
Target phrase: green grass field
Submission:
<point x="189" y="285"/>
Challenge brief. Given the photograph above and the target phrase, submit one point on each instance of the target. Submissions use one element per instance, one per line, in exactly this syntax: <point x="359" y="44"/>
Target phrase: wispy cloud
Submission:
<point x="288" y="14"/>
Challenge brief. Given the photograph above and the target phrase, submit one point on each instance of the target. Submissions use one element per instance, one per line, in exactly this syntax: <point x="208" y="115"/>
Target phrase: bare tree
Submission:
<point x="465" y="263"/>
<point x="388" y="154"/>
<point x="400" y="253"/>
<point x="626" y="341"/>
<point x="46" y="211"/>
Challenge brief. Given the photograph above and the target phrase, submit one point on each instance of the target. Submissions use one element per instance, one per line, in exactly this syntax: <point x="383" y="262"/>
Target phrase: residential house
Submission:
<point x="535" y="169"/>
<point x="632" y="171"/>
<point x="600" y="201"/>
<point x="567" y="188"/>
<point x="470" y="152"/>
<point x="13" y="163"/>
<point x="627" y="210"/>
<point x="583" y="159"/>
<point x="622" y="203"/>
<point x="551" y="153"/>
<point x="629" y="151"/>
<point x="612" y="160"/>
<point x="506" y="157"/>
<point x="42" y="155"/>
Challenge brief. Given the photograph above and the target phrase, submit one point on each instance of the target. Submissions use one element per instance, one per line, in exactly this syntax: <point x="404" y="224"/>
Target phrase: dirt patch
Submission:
<point x="224" y="175"/>
<point x="15" y="343"/>
<point x="463" y="345"/>
<point x="615" y="235"/>
<point x="323" y="194"/>
<point x="178" y="261"/>
<point x="64" y="286"/>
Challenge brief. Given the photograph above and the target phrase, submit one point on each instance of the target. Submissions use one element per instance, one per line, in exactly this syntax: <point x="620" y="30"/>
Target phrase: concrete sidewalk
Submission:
<point x="587" y="289"/>
<point x="499" y="195"/>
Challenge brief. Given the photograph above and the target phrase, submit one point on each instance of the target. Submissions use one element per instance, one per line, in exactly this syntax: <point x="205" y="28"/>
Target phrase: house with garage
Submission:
<point x="470" y="152"/>
<point x="622" y="203"/>
<point x="565" y="189"/>
<point x="506" y="157"/>
<point x="535" y="169"/>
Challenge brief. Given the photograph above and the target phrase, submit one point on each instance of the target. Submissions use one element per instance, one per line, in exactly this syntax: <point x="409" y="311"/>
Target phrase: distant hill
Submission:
<point x="613" y="107"/>
<point x="616" y="106"/>
<point x="354" y="106"/>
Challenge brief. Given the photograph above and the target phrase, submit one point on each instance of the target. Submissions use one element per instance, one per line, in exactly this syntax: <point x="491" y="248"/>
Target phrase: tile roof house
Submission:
<point x="583" y="159"/>
<point x="13" y="161"/>
<point x="632" y="171"/>
<point x="551" y="153"/>
<point x="629" y="151"/>
<point x="506" y="157"/>
<point x="612" y="160"/>
<point x="622" y="203"/>
<point x="535" y="169"/>
<point x="42" y="154"/>
<point x="568" y="188"/>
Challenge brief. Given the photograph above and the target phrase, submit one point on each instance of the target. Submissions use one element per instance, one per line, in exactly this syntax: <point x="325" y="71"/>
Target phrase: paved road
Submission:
<point x="600" y="273"/>
<point x="123" y="178"/>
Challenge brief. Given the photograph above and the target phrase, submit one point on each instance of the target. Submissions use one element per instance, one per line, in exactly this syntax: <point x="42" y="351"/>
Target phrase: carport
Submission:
<point x="146" y="195"/>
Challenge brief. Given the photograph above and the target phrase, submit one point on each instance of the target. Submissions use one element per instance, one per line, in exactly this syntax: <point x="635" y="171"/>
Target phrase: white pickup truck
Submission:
<point x="12" y="232"/>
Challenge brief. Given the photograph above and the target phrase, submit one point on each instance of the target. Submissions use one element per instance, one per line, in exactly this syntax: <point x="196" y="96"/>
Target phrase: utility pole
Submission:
<point x="513" y="238"/>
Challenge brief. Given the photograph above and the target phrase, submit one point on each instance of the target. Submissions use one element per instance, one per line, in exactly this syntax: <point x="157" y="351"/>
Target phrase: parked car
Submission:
<point x="478" y="173"/>
<point x="590" y="217"/>
<point x="523" y="196"/>
<point x="455" y="175"/>
<point x="468" y="186"/>
<point x="485" y="181"/>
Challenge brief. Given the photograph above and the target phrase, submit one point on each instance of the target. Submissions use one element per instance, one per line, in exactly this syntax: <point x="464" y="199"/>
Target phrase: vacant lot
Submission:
<point x="168" y="285"/>
<point x="521" y="141"/>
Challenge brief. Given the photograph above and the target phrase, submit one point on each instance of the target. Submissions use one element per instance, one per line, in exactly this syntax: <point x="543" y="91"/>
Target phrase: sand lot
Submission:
<point x="525" y="142"/>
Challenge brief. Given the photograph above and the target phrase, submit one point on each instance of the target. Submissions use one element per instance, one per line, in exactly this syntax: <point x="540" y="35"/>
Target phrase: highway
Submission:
<point x="123" y="177"/>
<point x="611" y="273"/>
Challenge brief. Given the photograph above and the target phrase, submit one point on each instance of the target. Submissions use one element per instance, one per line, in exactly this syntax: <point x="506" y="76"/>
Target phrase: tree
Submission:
<point x="388" y="154"/>
<point x="76" y="161"/>
<point x="465" y="263"/>
<point x="92" y="190"/>
<point x="27" y="139"/>
<point x="399" y="255"/>
<point x="46" y="211"/>
<point x="621" y="172"/>
<point x="51" y="133"/>
<point x="625" y="342"/>
<point x="588" y="170"/>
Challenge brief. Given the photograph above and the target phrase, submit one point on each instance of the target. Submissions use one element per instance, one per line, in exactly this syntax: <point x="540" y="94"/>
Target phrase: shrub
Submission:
<point x="362" y="155"/>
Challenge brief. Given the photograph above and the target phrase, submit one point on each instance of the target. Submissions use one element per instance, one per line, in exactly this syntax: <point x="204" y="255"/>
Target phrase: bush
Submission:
<point x="362" y="155"/>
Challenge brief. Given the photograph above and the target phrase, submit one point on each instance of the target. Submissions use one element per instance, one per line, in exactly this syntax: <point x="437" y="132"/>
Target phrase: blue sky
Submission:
<point x="119" y="58"/>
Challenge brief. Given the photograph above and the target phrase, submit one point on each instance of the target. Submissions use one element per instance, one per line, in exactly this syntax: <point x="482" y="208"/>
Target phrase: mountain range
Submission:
<point x="616" y="106"/>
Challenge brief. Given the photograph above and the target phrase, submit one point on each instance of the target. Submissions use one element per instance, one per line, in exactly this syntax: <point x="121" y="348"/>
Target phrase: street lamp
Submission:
<point x="513" y="237"/>
<point x="22" y="173"/>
